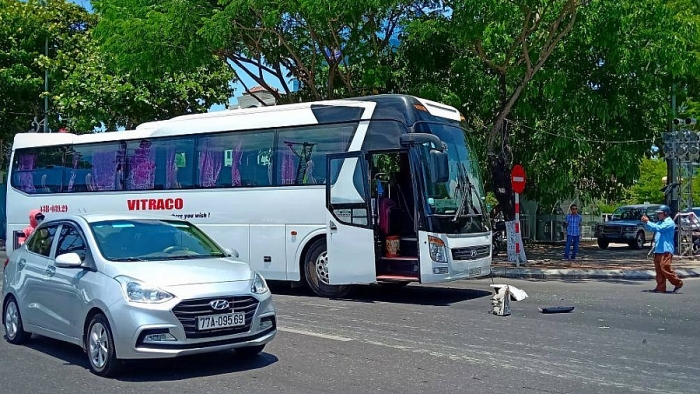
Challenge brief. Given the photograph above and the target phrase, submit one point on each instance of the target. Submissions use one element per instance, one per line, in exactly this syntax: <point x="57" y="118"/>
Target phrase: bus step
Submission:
<point x="400" y="258"/>
<point x="394" y="278"/>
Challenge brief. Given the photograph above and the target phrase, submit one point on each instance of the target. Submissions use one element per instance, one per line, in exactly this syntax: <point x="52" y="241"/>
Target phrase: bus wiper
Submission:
<point x="466" y="187"/>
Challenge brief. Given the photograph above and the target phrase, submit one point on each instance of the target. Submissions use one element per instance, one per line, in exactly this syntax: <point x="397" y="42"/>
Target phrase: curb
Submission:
<point x="537" y="273"/>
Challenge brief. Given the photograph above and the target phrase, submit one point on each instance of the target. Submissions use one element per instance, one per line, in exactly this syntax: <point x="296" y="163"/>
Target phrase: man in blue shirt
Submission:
<point x="573" y="225"/>
<point x="664" y="230"/>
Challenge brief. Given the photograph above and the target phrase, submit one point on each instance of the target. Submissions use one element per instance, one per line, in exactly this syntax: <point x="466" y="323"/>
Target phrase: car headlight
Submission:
<point x="438" y="250"/>
<point x="259" y="285"/>
<point x="137" y="291"/>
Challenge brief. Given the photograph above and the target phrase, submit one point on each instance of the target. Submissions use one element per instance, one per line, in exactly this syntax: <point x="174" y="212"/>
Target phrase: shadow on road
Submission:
<point x="411" y="294"/>
<point x="629" y="282"/>
<point x="158" y="370"/>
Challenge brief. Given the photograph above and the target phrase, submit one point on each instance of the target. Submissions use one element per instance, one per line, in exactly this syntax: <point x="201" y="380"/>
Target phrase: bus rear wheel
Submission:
<point x="316" y="272"/>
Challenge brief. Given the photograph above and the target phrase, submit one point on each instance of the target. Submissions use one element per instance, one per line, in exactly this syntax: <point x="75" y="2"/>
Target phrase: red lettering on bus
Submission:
<point x="155" y="204"/>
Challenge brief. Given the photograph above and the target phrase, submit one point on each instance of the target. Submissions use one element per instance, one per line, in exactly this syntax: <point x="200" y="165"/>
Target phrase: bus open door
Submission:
<point x="349" y="230"/>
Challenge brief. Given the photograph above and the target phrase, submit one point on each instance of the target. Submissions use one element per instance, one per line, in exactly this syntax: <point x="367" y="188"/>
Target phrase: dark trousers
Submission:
<point x="662" y="264"/>
<point x="571" y="241"/>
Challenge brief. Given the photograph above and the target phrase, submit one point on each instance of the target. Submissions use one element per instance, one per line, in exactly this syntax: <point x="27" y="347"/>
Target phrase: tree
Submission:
<point x="335" y="49"/>
<point x="648" y="187"/>
<point x="589" y="115"/>
<point x="582" y="123"/>
<point x="85" y="91"/>
<point x="22" y="41"/>
<point x="94" y="94"/>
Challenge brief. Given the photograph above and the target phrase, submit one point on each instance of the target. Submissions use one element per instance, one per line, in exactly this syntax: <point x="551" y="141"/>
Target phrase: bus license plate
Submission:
<point x="475" y="271"/>
<point x="225" y="320"/>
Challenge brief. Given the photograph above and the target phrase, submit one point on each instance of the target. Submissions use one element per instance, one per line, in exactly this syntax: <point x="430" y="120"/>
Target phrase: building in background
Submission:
<point x="253" y="98"/>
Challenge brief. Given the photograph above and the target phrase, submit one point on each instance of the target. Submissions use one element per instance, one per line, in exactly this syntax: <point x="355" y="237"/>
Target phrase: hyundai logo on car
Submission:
<point x="219" y="305"/>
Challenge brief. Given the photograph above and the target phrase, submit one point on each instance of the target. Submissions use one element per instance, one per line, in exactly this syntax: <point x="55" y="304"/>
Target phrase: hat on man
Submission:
<point x="664" y="208"/>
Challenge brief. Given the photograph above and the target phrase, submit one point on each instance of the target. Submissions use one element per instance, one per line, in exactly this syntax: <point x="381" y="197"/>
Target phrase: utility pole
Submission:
<point x="672" y="178"/>
<point x="46" y="88"/>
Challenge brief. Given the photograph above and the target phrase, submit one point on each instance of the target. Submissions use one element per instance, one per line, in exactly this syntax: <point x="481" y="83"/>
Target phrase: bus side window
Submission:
<point x="302" y="151"/>
<point x="38" y="170"/>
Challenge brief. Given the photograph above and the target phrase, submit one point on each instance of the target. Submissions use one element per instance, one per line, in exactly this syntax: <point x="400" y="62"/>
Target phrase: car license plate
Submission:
<point x="225" y="320"/>
<point x="475" y="271"/>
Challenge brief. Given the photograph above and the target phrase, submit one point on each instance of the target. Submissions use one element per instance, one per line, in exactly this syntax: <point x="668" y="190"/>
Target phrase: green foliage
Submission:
<point x="586" y="119"/>
<point x="22" y="38"/>
<point x="648" y="187"/>
<point x="334" y="48"/>
<point x="85" y="91"/>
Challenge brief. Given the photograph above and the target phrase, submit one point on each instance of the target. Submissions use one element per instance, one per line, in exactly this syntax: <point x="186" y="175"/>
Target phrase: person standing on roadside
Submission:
<point x="573" y="224"/>
<point x="664" y="231"/>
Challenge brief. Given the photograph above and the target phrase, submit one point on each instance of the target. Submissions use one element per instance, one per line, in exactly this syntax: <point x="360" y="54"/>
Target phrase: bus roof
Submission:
<point x="395" y="106"/>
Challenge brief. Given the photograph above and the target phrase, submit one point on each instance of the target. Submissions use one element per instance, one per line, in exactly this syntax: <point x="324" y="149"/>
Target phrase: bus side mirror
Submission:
<point x="440" y="166"/>
<point x="411" y="139"/>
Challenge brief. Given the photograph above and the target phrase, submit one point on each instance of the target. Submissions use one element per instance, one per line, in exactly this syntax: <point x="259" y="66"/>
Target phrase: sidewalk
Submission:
<point x="616" y="262"/>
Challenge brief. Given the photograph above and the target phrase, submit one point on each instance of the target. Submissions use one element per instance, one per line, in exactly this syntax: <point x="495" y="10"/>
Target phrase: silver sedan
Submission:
<point x="134" y="287"/>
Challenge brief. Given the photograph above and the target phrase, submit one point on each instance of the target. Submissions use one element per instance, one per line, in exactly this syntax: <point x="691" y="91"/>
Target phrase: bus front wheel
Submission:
<point x="316" y="272"/>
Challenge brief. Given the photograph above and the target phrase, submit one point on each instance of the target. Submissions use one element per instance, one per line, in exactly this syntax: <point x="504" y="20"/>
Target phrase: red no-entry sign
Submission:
<point x="517" y="178"/>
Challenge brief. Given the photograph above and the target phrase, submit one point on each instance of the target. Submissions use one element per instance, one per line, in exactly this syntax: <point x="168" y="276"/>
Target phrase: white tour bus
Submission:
<point x="382" y="189"/>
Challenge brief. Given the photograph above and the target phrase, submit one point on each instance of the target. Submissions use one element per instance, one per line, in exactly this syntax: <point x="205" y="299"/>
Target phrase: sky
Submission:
<point x="239" y="89"/>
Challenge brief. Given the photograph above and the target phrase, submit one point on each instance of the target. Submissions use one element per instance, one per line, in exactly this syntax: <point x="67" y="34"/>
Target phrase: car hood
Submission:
<point x="182" y="272"/>
<point x="623" y="222"/>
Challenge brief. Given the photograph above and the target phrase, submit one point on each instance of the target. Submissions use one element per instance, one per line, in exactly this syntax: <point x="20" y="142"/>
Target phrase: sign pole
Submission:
<point x="517" y="229"/>
<point x="518" y="183"/>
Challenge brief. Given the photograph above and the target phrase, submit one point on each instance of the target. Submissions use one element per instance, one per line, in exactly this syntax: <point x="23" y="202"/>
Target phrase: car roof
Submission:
<point x="100" y="217"/>
<point x="641" y="206"/>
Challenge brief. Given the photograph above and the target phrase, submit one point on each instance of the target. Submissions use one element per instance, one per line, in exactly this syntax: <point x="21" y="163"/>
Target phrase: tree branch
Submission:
<point x="260" y="81"/>
<point x="479" y="51"/>
<point x="299" y="65"/>
<point x="553" y="39"/>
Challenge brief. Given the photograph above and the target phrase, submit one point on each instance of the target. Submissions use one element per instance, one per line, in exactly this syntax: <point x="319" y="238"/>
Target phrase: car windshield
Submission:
<point x="152" y="239"/>
<point x="628" y="213"/>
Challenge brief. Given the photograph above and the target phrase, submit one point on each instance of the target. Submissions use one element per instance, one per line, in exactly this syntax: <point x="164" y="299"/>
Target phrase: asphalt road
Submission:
<point x="423" y="339"/>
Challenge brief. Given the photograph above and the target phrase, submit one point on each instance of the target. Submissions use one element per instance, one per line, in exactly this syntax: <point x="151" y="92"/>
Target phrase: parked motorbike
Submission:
<point x="498" y="239"/>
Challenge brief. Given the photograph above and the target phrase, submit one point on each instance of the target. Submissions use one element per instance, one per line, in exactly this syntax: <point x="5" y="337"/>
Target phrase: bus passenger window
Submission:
<point x="38" y="170"/>
<point x="173" y="163"/>
<point x="141" y="165"/>
<point x="233" y="159"/>
<point x="302" y="152"/>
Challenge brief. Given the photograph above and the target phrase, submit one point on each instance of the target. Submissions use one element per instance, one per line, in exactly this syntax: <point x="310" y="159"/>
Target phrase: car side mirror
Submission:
<point x="68" y="260"/>
<point x="231" y="252"/>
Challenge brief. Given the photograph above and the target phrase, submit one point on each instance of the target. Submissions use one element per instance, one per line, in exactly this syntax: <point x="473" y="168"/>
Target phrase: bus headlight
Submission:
<point x="438" y="250"/>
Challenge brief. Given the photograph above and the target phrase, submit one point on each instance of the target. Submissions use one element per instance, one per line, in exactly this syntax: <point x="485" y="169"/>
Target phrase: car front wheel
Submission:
<point x="639" y="241"/>
<point x="603" y="243"/>
<point x="100" y="347"/>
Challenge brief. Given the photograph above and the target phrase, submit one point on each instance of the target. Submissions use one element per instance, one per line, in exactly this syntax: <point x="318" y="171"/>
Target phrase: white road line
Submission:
<point x="315" y="334"/>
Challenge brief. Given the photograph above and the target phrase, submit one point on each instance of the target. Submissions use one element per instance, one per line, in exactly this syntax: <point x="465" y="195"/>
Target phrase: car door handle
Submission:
<point x="21" y="263"/>
<point x="51" y="270"/>
<point x="332" y="226"/>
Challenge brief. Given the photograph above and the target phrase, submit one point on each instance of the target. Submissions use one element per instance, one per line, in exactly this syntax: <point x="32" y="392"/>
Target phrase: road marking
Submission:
<point x="315" y="334"/>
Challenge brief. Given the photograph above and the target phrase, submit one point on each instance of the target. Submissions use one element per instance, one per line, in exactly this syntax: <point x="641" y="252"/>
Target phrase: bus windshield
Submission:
<point x="456" y="206"/>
